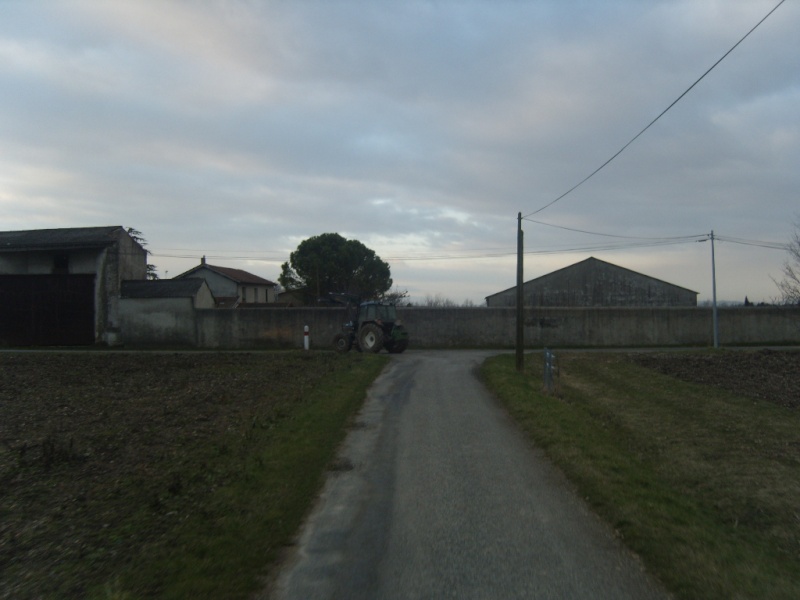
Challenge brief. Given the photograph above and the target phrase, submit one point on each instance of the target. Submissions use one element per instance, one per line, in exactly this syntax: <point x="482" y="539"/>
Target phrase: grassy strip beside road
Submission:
<point x="702" y="483"/>
<point x="163" y="475"/>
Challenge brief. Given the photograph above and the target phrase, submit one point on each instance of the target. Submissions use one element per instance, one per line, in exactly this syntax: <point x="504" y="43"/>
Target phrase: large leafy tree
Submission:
<point x="331" y="263"/>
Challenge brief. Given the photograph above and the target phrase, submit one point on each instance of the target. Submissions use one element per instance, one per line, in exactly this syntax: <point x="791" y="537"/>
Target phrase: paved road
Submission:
<point x="438" y="496"/>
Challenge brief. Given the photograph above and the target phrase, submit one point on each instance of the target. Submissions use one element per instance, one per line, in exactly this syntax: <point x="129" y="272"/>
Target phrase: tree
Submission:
<point x="789" y="286"/>
<point x="439" y="301"/>
<point x="396" y="296"/>
<point x="330" y="263"/>
<point x="138" y="237"/>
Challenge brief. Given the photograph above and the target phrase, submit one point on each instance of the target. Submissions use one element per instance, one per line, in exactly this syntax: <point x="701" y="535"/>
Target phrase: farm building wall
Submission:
<point x="62" y="286"/>
<point x="158" y="321"/>
<point x="125" y="259"/>
<point x="478" y="327"/>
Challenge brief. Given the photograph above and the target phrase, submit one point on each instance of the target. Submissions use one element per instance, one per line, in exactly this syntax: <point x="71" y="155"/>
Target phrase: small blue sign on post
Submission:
<point x="549" y="367"/>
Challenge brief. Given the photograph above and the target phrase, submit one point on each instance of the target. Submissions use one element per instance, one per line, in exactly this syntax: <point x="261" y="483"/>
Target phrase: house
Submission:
<point x="162" y="309"/>
<point x="594" y="282"/>
<point x="233" y="287"/>
<point x="62" y="286"/>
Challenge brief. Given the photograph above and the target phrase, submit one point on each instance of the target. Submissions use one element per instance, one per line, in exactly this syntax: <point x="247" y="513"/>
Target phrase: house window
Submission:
<point x="244" y="294"/>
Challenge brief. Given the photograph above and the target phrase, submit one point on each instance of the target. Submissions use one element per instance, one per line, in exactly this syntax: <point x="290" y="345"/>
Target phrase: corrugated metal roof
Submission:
<point x="73" y="237"/>
<point x="162" y="288"/>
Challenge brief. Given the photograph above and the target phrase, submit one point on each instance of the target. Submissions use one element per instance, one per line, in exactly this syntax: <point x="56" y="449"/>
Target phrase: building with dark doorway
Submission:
<point x="596" y="283"/>
<point x="61" y="287"/>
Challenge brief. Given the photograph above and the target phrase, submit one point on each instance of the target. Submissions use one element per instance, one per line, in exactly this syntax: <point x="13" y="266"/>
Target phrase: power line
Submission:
<point x="215" y="257"/>
<point x="612" y="246"/>
<point x="627" y="237"/>
<point x="759" y="243"/>
<point x="621" y="150"/>
<point x="634" y="242"/>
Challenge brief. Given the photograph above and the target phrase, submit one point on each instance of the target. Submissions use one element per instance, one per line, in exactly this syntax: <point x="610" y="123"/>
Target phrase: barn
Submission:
<point x="596" y="283"/>
<point x="61" y="287"/>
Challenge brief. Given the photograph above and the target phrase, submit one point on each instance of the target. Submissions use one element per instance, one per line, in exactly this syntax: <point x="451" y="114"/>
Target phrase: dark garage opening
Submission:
<point x="47" y="310"/>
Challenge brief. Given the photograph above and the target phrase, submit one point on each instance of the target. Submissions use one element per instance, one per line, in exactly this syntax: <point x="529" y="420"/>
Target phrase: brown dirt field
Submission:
<point x="769" y="375"/>
<point x="89" y="440"/>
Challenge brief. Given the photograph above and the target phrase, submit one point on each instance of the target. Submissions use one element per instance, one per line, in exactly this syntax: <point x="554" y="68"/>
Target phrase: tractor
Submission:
<point x="372" y="326"/>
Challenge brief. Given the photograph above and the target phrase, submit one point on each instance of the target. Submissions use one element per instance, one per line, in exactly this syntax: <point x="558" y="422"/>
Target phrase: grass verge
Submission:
<point x="221" y="551"/>
<point x="701" y="483"/>
<point x="163" y="475"/>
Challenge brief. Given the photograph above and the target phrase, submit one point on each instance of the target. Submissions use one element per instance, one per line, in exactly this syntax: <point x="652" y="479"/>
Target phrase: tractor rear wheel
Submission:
<point x="370" y="338"/>
<point x="342" y="343"/>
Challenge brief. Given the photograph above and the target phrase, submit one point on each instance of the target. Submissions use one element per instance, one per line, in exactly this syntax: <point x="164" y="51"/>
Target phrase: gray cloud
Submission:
<point x="236" y="130"/>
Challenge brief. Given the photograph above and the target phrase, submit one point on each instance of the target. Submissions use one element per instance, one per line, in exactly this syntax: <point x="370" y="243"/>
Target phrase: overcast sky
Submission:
<point x="236" y="130"/>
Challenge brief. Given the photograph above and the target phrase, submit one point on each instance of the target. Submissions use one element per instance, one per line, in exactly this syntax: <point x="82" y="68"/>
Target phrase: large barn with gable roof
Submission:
<point x="596" y="283"/>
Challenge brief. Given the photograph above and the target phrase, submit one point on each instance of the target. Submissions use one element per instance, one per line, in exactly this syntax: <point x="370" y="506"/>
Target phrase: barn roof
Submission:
<point x="593" y="262"/>
<point x="67" y="238"/>
<point x="161" y="288"/>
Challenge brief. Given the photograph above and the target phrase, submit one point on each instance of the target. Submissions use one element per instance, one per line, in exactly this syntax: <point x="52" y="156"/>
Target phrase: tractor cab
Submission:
<point x="377" y="312"/>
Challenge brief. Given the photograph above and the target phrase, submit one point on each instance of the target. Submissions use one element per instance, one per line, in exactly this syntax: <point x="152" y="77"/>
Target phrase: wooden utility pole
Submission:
<point x="520" y="297"/>
<point x="714" y="292"/>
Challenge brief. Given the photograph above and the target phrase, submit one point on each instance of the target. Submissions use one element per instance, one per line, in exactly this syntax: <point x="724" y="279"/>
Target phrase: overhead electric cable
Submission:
<point x="621" y="150"/>
<point x="488" y="253"/>
<point x="627" y="237"/>
<point x="609" y="247"/>
<point x="759" y="243"/>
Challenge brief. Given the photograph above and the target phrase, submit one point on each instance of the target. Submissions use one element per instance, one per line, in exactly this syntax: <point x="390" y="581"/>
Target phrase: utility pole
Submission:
<point x="520" y="296"/>
<point x="714" y="292"/>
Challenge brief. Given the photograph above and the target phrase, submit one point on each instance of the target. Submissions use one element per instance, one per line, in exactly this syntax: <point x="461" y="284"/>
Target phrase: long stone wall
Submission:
<point x="489" y="327"/>
<point x="601" y="327"/>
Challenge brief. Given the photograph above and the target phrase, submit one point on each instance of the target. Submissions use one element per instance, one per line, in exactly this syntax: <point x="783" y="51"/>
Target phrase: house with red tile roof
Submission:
<point x="233" y="287"/>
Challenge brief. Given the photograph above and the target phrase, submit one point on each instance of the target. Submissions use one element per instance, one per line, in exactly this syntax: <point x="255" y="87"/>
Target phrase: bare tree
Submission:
<point x="789" y="286"/>
<point x="395" y="296"/>
<point x="439" y="301"/>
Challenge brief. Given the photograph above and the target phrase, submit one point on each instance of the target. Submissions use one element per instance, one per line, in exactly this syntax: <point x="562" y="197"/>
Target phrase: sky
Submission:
<point x="237" y="129"/>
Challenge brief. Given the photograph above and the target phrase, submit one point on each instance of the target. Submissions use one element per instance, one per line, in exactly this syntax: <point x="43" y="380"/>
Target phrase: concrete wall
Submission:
<point x="158" y="321"/>
<point x="474" y="327"/>
<point x="131" y="258"/>
<point x="602" y="327"/>
<point x="204" y="297"/>
<point x="267" y="327"/>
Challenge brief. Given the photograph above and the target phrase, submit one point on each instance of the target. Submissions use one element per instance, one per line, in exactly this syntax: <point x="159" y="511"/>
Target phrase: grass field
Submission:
<point x="161" y="475"/>
<point x="183" y="475"/>
<point x="701" y="481"/>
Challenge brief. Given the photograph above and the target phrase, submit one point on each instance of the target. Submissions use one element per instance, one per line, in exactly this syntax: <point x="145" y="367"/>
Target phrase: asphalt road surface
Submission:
<point x="436" y="495"/>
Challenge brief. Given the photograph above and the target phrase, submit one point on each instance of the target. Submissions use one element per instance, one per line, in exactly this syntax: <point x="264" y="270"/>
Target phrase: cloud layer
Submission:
<point x="235" y="130"/>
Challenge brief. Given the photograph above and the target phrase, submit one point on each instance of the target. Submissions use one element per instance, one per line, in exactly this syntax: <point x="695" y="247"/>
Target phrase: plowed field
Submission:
<point x="768" y="375"/>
